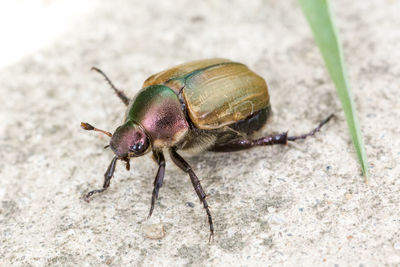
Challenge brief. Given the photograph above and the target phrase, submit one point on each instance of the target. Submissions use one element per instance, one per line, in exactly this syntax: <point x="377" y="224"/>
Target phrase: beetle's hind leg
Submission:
<point x="281" y="139"/>
<point x="311" y="133"/>
<point x="182" y="164"/>
<point x="119" y="93"/>
<point x="107" y="178"/>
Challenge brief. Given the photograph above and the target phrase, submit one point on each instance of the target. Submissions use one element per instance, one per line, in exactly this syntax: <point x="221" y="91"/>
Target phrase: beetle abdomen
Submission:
<point x="224" y="94"/>
<point x="253" y="123"/>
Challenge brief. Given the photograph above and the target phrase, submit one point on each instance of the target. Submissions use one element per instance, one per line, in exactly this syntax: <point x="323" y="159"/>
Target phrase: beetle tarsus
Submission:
<point x="119" y="93"/>
<point x="158" y="181"/>
<point x="91" y="193"/>
<point x="182" y="164"/>
<point x="107" y="178"/>
<point x="312" y="132"/>
<point x="211" y="238"/>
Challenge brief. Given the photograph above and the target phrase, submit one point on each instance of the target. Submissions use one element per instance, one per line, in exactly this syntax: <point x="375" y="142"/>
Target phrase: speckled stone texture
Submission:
<point x="305" y="203"/>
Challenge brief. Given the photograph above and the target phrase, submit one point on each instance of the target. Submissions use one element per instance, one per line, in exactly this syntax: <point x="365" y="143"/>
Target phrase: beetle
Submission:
<point x="205" y="105"/>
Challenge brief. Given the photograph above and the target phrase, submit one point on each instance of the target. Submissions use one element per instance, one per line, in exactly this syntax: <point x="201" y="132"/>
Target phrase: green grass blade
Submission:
<point x="320" y="18"/>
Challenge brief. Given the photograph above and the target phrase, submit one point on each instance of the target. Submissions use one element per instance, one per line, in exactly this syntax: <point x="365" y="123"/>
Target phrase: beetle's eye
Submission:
<point x="136" y="147"/>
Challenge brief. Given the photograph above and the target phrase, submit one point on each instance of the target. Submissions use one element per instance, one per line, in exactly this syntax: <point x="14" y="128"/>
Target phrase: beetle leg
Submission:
<point x="107" y="178"/>
<point x="282" y="139"/>
<point x="182" y="164"/>
<point x="119" y="93"/>
<point x="158" y="181"/>
<point x="311" y="133"/>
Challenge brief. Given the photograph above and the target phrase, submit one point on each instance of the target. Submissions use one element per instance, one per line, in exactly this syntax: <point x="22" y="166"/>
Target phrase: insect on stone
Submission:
<point x="206" y="105"/>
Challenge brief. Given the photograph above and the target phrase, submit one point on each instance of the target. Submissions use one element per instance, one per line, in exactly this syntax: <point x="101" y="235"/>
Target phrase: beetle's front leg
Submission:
<point x="158" y="181"/>
<point x="181" y="163"/>
<point x="107" y="178"/>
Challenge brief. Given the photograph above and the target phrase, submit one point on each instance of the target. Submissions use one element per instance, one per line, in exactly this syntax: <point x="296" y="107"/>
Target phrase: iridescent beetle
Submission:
<point x="212" y="104"/>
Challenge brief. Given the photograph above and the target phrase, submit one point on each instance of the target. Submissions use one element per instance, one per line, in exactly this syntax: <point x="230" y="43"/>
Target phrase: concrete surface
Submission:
<point x="301" y="204"/>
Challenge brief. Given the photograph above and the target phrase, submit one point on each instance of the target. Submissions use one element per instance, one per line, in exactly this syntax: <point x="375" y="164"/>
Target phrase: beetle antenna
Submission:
<point x="119" y="93"/>
<point x="86" y="126"/>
